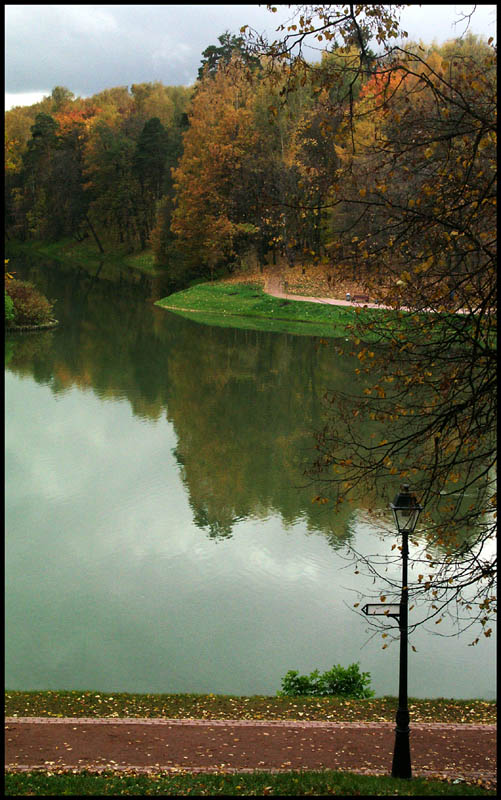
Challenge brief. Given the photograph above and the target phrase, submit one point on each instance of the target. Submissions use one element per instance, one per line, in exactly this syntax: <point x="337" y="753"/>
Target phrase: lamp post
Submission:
<point x="406" y="512"/>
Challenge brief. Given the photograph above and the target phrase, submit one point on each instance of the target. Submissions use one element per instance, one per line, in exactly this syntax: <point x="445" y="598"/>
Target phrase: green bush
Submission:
<point x="30" y="306"/>
<point x="338" y="681"/>
<point x="10" y="314"/>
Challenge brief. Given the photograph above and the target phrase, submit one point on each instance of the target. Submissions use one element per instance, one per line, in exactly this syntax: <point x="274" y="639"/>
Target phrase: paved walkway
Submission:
<point x="462" y="752"/>
<point x="274" y="285"/>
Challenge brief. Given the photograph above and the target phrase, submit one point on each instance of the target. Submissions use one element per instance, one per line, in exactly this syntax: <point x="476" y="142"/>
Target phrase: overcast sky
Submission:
<point x="88" y="48"/>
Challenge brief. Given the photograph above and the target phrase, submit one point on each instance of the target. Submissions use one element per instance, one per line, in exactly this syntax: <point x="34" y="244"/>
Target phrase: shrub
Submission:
<point x="338" y="682"/>
<point x="30" y="306"/>
<point x="10" y="314"/>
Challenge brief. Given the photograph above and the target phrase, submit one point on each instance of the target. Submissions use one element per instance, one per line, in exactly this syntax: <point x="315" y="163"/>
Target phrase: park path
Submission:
<point x="275" y="285"/>
<point x="463" y="752"/>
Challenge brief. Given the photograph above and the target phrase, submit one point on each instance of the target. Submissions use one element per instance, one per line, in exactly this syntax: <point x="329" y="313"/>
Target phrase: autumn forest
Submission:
<point x="260" y="160"/>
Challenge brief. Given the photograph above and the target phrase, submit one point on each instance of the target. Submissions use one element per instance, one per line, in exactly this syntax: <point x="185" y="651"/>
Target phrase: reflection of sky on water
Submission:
<point x="111" y="586"/>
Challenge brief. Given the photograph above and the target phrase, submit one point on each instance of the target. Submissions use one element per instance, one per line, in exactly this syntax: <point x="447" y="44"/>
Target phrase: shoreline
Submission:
<point x="245" y="303"/>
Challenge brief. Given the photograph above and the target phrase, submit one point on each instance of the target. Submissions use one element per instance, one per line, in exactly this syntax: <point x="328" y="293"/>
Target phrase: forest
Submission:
<point x="259" y="161"/>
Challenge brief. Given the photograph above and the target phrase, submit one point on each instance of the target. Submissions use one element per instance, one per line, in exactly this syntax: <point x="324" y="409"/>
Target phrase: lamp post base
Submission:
<point x="401" y="767"/>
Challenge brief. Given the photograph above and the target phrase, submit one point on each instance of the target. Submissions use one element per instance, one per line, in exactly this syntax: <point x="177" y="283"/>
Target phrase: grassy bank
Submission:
<point x="86" y="255"/>
<point x="245" y="305"/>
<point x="291" y="784"/>
<point x="210" y="706"/>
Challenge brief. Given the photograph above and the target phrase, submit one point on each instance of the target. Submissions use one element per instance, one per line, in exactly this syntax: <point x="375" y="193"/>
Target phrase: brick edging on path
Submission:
<point x="293" y="723"/>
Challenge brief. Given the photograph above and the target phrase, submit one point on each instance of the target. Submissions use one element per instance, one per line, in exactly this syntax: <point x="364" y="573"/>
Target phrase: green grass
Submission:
<point x="245" y="305"/>
<point x="211" y="706"/>
<point x="290" y="784"/>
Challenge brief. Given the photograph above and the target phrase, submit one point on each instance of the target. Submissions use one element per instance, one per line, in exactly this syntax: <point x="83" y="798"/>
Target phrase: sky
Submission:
<point x="88" y="48"/>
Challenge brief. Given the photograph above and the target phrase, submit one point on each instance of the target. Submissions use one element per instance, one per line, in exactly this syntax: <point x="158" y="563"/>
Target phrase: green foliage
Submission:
<point x="150" y="155"/>
<point x="60" y="96"/>
<point x="338" y="681"/>
<point x="229" y="44"/>
<point x="96" y="166"/>
<point x="10" y="313"/>
<point x="30" y="306"/>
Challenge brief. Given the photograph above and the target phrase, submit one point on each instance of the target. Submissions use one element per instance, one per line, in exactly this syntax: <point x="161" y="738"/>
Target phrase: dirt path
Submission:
<point x="463" y="752"/>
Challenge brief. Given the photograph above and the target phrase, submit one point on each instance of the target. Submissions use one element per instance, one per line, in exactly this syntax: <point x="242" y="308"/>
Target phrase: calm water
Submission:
<point x="160" y="537"/>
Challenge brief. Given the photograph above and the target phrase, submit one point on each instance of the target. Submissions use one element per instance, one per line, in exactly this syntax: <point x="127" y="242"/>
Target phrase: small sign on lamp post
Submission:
<point x="381" y="609"/>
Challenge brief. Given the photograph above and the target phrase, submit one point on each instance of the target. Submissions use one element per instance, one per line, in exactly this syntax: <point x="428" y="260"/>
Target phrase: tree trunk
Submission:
<point x="91" y="226"/>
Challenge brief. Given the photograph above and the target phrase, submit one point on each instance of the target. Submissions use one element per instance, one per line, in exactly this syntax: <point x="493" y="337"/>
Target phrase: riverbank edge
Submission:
<point x="258" y="322"/>
<point x="82" y="703"/>
<point x="329" y="321"/>
<point x="86" y="256"/>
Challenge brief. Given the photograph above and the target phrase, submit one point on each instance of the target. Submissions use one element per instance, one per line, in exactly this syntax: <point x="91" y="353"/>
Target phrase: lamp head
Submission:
<point x="406" y="510"/>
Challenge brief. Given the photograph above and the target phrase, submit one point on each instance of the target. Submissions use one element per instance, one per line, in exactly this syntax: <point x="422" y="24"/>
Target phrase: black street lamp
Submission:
<point x="406" y="512"/>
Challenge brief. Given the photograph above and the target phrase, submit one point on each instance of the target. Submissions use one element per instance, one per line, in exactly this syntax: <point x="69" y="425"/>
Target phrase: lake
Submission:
<point x="160" y="532"/>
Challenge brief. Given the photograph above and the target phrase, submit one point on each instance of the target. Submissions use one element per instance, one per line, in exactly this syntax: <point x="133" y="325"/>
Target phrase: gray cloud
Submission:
<point x="89" y="48"/>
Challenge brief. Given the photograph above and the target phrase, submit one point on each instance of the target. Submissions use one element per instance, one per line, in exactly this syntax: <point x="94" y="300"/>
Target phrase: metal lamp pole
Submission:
<point x="406" y="512"/>
<point x="401" y="767"/>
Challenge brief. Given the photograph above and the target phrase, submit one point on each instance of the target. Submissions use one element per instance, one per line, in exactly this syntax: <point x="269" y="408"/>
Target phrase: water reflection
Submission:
<point x="243" y="404"/>
<point x="160" y="535"/>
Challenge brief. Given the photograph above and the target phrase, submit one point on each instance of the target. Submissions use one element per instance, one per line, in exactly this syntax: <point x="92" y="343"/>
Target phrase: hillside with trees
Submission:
<point x="263" y="160"/>
<point x="94" y="167"/>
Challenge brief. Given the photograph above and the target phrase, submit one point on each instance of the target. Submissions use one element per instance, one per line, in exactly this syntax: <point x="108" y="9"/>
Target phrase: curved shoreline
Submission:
<point x="251" y="306"/>
<point x="273" y="287"/>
